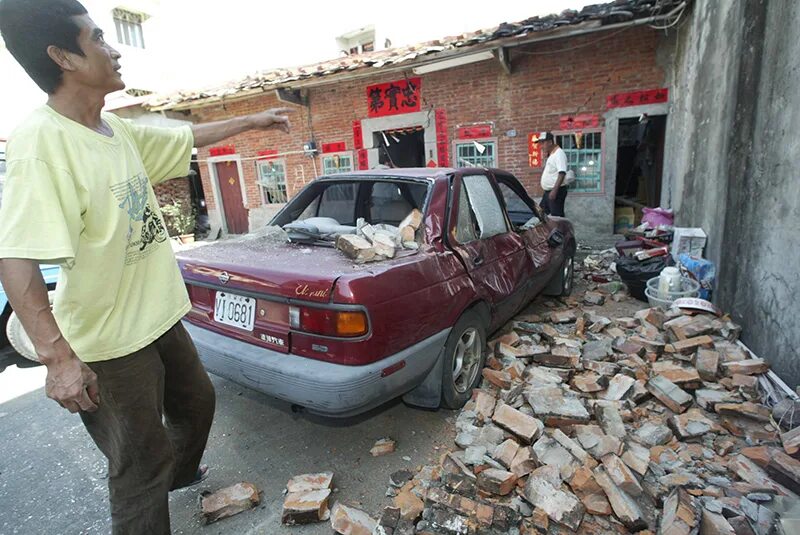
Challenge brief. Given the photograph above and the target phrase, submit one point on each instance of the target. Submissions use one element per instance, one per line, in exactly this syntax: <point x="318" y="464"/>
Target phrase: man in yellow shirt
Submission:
<point x="79" y="192"/>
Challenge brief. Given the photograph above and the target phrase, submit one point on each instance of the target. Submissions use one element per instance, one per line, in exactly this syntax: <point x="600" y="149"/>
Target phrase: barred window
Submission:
<point x="476" y="153"/>
<point x="272" y="181"/>
<point x="129" y="27"/>
<point x="584" y="158"/>
<point x="340" y="162"/>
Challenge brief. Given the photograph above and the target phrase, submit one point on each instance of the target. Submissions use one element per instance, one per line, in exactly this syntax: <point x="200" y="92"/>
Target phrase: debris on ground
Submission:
<point x="228" y="501"/>
<point x="656" y="420"/>
<point x="351" y="521"/>
<point x="306" y="499"/>
<point x="384" y="446"/>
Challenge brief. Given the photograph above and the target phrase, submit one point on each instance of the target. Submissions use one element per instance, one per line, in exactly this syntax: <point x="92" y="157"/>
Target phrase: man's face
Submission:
<point x="99" y="67"/>
<point x="547" y="146"/>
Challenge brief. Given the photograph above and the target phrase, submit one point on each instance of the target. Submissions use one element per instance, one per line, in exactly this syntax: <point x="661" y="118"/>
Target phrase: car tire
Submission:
<point x="561" y="283"/>
<point x="19" y="339"/>
<point x="464" y="358"/>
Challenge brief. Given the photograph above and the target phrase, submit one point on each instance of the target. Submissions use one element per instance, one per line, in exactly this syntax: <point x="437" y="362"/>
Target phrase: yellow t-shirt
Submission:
<point x="85" y="201"/>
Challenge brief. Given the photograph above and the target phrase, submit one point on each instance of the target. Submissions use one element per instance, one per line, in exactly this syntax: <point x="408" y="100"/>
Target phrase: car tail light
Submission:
<point x="329" y="322"/>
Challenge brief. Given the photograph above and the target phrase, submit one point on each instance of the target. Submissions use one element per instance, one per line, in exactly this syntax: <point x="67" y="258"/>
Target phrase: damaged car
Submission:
<point x="287" y="313"/>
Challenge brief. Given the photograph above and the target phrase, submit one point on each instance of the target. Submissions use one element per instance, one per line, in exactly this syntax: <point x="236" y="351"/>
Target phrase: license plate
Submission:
<point x="235" y="310"/>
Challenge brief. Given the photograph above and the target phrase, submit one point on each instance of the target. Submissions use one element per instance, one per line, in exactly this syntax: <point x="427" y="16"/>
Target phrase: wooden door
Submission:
<point x="230" y="188"/>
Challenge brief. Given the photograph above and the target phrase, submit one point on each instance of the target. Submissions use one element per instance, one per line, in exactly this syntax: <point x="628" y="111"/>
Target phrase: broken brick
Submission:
<point x="499" y="379"/>
<point x="622" y="476"/>
<point x="561" y="507"/>
<point x="305" y="507"/>
<point x="692" y="424"/>
<point x="618" y="387"/>
<point x="753" y="411"/>
<point x="707" y="363"/>
<point x="498" y="482"/>
<point x="589" y="382"/>
<point x="746" y="367"/>
<point x="410" y="505"/>
<point x="609" y="419"/>
<point x="384" y="446"/>
<point x="229" y="501"/>
<point x="690" y="344"/>
<point x="526" y="427"/>
<point x="679" y="515"/>
<point x="625" y="508"/>
<point x="589" y="492"/>
<point x="351" y="521"/>
<point x="669" y="394"/>
<point x="563" y="316"/>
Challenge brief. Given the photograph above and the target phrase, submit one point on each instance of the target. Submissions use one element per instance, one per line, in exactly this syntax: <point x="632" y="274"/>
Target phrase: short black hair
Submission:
<point x="28" y="27"/>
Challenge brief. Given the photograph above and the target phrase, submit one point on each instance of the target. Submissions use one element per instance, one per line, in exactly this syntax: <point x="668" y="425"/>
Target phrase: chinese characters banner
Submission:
<point x="363" y="159"/>
<point x="392" y="98"/>
<point x="358" y="141"/>
<point x="573" y="122"/>
<point x="442" y="149"/>
<point x="475" y="131"/>
<point x="638" y="98"/>
<point x="534" y="150"/>
<point x="338" y="146"/>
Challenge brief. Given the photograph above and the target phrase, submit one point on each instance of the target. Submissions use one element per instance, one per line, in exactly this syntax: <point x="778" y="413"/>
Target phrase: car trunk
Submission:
<point x="245" y="288"/>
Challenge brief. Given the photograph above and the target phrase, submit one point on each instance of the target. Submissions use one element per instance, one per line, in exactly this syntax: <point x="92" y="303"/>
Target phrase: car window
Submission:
<point x="466" y="226"/>
<point x="485" y="206"/>
<point x="518" y="210"/>
<point x="339" y="202"/>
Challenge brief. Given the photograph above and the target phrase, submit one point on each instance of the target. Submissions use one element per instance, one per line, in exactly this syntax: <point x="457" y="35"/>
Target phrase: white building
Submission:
<point x="134" y="28"/>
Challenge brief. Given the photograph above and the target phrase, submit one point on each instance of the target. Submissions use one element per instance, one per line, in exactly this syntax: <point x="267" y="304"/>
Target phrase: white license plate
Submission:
<point x="235" y="310"/>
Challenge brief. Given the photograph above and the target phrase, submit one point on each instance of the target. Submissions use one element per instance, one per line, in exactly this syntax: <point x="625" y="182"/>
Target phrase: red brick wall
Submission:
<point x="549" y="80"/>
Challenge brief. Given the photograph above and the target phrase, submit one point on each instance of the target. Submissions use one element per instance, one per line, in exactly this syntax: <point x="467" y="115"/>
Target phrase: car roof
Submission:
<point x="427" y="173"/>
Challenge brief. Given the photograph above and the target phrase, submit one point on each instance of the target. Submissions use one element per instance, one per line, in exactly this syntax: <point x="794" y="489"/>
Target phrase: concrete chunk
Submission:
<point x="356" y="248"/>
<point x="561" y="507"/>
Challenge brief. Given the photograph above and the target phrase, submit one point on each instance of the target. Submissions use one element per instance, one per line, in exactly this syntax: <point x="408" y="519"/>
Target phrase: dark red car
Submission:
<point x="304" y="324"/>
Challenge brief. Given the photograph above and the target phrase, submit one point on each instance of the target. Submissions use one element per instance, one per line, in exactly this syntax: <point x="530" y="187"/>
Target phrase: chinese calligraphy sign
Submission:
<point x="534" y="151"/>
<point x="401" y="96"/>
<point x="638" y="98"/>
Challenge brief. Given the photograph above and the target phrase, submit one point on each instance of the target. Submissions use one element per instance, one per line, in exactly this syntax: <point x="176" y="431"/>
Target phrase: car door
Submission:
<point x="494" y="256"/>
<point x="531" y="224"/>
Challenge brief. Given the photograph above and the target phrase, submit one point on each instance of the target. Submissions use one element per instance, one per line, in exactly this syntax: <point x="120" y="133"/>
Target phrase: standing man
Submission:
<point x="553" y="175"/>
<point x="79" y="192"/>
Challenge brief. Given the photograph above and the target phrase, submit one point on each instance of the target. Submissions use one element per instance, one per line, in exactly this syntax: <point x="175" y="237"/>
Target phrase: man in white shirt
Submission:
<point x="553" y="175"/>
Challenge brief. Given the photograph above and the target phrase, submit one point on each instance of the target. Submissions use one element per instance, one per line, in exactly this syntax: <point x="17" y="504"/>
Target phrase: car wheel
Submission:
<point x="567" y="275"/>
<point x="465" y="354"/>
<point x="19" y="339"/>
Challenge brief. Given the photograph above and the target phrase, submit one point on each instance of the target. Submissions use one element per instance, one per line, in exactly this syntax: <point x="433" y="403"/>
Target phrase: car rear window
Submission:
<point x="386" y="202"/>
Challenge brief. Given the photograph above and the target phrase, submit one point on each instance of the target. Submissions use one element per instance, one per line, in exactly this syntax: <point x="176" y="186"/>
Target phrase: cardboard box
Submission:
<point x="688" y="240"/>
<point x="623" y="219"/>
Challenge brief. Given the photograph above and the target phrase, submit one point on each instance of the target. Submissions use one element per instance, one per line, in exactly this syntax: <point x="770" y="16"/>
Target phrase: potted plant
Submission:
<point x="180" y="221"/>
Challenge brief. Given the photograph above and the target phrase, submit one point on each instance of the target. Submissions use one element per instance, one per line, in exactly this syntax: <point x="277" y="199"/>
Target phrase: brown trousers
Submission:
<point x="152" y="424"/>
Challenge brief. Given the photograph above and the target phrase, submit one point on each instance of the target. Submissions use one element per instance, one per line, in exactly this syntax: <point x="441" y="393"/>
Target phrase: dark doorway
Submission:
<point x="406" y="147"/>
<point x="640" y="161"/>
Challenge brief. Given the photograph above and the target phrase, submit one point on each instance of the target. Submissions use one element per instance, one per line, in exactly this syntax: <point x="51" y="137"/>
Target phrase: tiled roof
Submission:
<point x="506" y="34"/>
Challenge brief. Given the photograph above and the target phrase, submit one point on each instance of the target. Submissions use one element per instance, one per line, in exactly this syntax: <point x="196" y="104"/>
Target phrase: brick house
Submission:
<point x="597" y="79"/>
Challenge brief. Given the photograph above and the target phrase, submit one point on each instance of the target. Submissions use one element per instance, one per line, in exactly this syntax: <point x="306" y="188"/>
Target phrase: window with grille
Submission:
<point x="476" y="153"/>
<point x="272" y="181"/>
<point x="584" y="158"/>
<point x="333" y="164"/>
<point x="129" y="27"/>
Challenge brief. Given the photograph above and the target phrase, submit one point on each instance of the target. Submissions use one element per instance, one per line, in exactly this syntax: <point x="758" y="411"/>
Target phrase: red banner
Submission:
<point x="402" y="96"/>
<point x="577" y="122"/>
<point x="358" y="140"/>
<point x="638" y="98"/>
<point x="224" y="150"/>
<point x="476" y="131"/>
<point x="534" y="150"/>
<point x="267" y="154"/>
<point x="339" y="146"/>
<point x="442" y="148"/>
<point x="363" y="159"/>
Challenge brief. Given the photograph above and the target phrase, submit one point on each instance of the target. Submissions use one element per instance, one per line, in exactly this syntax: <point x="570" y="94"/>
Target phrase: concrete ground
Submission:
<point x="53" y="479"/>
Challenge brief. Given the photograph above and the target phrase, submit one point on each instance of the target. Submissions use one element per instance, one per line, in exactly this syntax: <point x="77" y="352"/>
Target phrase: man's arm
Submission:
<point x="70" y="382"/>
<point x="210" y="133"/>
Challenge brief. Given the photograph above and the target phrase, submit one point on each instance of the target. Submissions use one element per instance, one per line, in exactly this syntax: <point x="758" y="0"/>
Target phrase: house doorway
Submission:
<point x="402" y="147"/>
<point x="640" y="162"/>
<point x="230" y="188"/>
